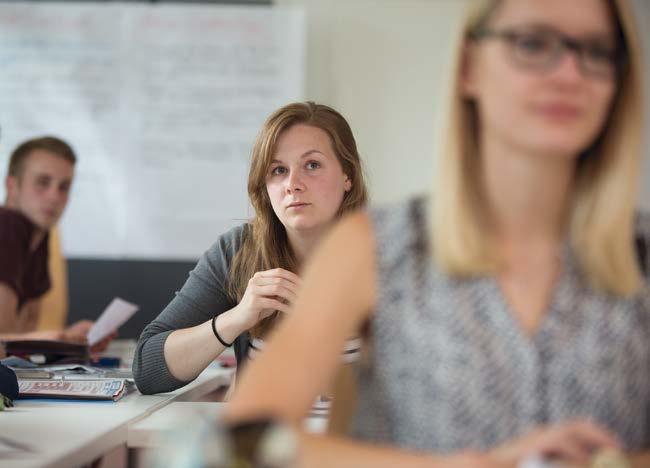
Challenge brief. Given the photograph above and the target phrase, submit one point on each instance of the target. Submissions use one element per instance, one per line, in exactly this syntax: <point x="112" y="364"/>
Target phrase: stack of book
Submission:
<point x="70" y="381"/>
<point x="105" y="389"/>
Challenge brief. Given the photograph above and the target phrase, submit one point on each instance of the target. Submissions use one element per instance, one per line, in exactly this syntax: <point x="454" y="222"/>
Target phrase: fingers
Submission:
<point x="268" y="291"/>
<point x="275" y="290"/>
<point x="278" y="282"/>
<point x="594" y="435"/>
<point x="79" y="328"/>
<point x="102" y="345"/>
<point x="279" y="273"/>
<point x="573" y="442"/>
<point x="273" y="305"/>
<point x="75" y="338"/>
<point x="578" y="441"/>
<point x="84" y="323"/>
<point x="567" y="449"/>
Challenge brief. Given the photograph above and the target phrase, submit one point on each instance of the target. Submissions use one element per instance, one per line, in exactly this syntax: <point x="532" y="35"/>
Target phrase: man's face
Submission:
<point x="41" y="191"/>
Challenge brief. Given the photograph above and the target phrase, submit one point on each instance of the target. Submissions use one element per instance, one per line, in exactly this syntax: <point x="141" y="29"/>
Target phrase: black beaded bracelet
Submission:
<point x="214" y="330"/>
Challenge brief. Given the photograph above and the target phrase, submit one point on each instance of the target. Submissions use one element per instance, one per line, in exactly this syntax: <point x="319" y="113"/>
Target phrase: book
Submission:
<point x="100" y="389"/>
<point x="47" y="351"/>
<point x="72" y="372"/>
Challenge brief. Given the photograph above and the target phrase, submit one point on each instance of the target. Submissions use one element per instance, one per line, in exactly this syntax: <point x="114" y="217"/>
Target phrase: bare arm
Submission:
<point x="8" y="309"/>
<point x="189" y="351"/>
<point x="337" y="296"/>
<point x="28" y="316"/>
<point x="14" y="326"/>
<point x="261" y="298"/>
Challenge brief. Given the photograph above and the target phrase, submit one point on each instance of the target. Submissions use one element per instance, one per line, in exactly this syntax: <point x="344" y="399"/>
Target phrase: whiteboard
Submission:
<point x="161" y="103"/>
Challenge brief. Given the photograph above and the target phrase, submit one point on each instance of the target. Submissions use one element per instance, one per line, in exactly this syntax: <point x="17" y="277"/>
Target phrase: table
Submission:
<point x="66" y="434"/>
<point x="149" y="432"/>
<point x="146" y="432"/>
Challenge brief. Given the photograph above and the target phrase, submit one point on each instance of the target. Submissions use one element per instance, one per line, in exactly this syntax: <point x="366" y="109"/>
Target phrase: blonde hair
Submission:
<point x="601" y="215"/>
<point x="265" y="245"/>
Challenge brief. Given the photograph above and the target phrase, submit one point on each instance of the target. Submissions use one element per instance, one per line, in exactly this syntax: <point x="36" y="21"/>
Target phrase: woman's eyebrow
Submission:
<point x="311" y="151"/>
<point x="304" y="155"/>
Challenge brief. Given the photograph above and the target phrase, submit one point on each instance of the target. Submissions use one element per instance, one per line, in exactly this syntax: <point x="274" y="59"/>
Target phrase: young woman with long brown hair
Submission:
<point x="305" y="173"/>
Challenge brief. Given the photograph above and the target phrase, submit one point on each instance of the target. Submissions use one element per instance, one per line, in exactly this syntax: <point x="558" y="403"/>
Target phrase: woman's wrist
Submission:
<point x="229" y="325"/>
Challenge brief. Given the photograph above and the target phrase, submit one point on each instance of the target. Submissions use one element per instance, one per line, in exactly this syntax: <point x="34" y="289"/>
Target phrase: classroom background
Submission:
<point x="162" y="100"/>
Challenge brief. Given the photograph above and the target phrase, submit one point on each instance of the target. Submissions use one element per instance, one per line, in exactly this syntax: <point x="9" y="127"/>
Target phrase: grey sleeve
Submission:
<point x="203" y="296"/>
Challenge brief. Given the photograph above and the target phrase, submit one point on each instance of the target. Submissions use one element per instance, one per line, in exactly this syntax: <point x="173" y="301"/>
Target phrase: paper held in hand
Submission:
<point x="116" y="314"/>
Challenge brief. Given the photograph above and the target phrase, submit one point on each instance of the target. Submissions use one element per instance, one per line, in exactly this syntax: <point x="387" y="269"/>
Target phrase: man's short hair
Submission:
<point x="51" y="144"/>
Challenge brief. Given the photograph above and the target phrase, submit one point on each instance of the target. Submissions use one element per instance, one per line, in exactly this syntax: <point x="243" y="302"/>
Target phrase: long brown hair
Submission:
<point x="265" y="245"/>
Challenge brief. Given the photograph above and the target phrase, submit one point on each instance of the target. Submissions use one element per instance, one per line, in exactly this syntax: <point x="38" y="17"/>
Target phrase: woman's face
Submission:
<point x="534" y="91"/>
<point x="305" y="181"/>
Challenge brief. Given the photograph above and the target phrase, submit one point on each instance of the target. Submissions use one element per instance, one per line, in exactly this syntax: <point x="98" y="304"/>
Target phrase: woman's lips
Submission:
<point x="560" y="111"/>
<point x="298" y="206"/>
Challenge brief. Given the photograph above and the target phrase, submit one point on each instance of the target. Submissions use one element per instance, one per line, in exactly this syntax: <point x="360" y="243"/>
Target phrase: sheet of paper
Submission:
<point x="116" y="314"/>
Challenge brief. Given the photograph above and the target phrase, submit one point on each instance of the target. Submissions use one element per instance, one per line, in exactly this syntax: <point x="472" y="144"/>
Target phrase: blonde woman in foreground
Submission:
<point x="509" y="313"/>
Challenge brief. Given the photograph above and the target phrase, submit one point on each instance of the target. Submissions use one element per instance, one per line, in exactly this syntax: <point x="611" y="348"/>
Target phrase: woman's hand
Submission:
<point x="573" y="442"/>
<point x="267" y="291"/>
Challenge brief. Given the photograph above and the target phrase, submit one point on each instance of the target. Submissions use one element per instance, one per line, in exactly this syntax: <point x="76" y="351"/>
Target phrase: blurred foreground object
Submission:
<point x="202" y="441"/>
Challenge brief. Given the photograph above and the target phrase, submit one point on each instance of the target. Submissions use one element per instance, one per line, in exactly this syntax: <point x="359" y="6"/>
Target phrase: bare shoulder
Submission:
<point x="350" y="242"/>
<point x="354" y="227"/>
<point x="345" y="262"/>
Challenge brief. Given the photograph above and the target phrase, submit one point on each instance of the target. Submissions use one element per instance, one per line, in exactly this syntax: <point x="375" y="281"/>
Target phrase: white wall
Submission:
<point x="381" y="63"/>
<point x="643" y="16"/>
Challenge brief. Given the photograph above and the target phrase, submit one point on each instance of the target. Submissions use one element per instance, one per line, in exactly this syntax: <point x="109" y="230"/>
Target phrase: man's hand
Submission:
<point x="103" y="344"/>
<point x="78" y="331"/>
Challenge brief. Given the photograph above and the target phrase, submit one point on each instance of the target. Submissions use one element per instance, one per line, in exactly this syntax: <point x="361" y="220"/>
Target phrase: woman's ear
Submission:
<point x="467" y="74"/>
<point x="347" y="184"/>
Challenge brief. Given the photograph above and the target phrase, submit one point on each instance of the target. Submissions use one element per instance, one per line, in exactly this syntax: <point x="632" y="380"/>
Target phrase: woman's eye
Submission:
<point x="534" y="44"/>
<point x="600" y="53"/>
<point x="313" y="165"/>
<point x="278" y="170"/>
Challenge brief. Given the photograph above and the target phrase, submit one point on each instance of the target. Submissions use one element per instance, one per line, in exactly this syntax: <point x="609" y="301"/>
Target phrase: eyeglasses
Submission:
<point x="543" y="50"/>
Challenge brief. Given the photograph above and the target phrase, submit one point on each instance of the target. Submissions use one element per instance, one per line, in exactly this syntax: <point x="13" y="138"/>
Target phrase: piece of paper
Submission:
<point x="116" y="314"/>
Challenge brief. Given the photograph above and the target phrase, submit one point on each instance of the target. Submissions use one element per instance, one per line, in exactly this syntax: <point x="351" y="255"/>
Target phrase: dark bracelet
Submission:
<point x="214" y="330"/>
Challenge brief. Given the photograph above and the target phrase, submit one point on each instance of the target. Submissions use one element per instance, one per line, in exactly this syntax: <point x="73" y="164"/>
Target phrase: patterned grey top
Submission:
<point x="450" y="369"/>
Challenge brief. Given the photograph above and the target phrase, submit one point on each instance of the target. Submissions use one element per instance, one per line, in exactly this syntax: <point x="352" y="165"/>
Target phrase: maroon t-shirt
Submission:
<point x="24" y="271"/>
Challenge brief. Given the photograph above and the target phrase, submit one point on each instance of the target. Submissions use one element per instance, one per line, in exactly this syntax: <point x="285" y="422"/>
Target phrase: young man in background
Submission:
<point x="38" y="182"/>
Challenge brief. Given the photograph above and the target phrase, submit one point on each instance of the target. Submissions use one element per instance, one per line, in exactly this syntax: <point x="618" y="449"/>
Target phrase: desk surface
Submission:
<point x="72" y="433"/>
<point x="148" y="432"/>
